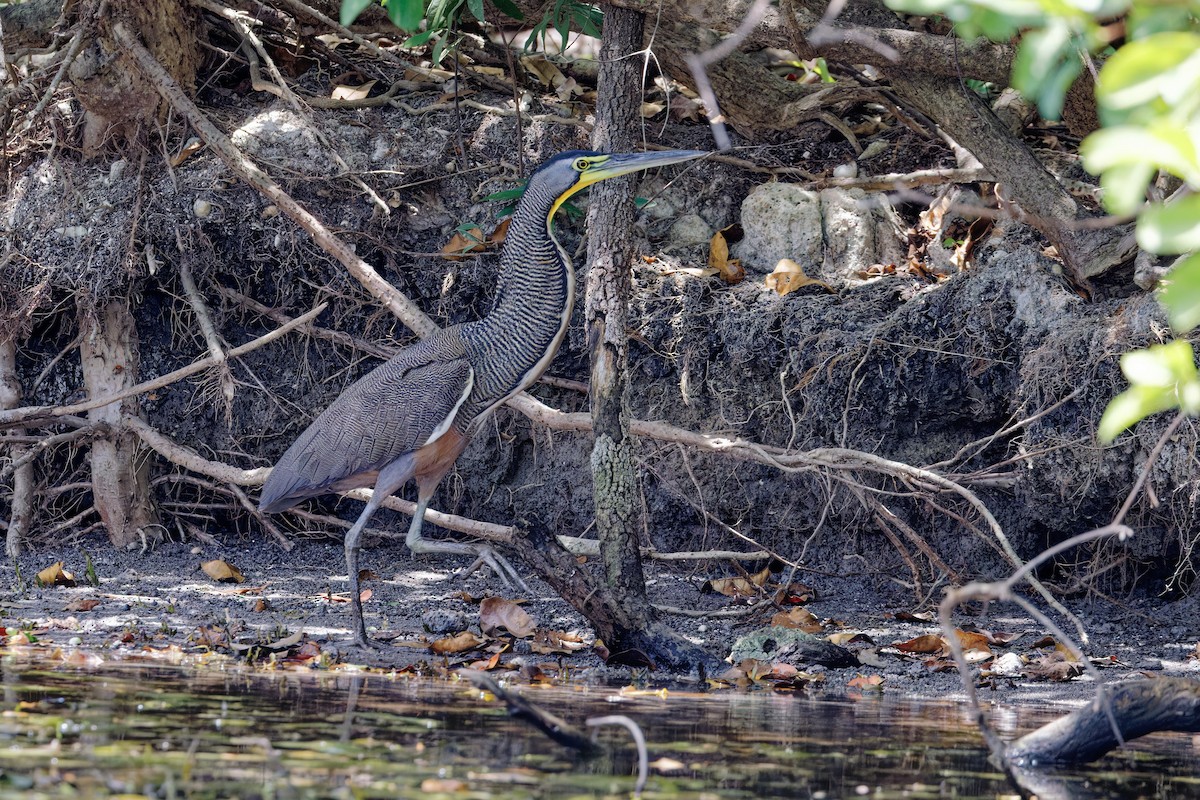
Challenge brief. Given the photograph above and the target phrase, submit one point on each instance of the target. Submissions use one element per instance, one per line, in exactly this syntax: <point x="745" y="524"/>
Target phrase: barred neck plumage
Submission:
<point x="513" y="345"/>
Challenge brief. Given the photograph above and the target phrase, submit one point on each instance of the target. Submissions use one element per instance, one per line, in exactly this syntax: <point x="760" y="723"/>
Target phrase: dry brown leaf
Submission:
<point x="566" y="89"/>
<point x="496" y="614"/>
<point x="730" y="269"/>
<point x="789" y="276"/>
<point x="908" y="616"/>
<point x="499" y="233"/>
<point x="738" y="586"/>
<point x="346" y="92"/>
<point x="556" y="642"/>
<point x="55" y="575"/>
<point x="795" y="594"/>
<point x="443" y="786"/>
<point x="192" y="147"/>
<point x="543" y="70"/>
<point x="866" y="683"/>
<point x="652" y="109"/>
<point x="929" y="643"/>
<point x="799" y="618"/>
<point x="83" y="604"/>
<point x="974" y="642"/>
<point x="458" y="643"/>
<point x="847" y="637"/>
<point x="222" y="571"/>
<point x="461" y="243"/>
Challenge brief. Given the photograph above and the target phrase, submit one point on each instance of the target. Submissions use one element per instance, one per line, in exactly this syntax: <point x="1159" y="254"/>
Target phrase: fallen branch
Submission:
<point x="1137" y="708"/>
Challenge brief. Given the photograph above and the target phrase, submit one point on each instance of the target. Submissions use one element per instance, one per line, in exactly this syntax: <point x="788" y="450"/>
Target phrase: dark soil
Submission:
<point x="160" y="601"/>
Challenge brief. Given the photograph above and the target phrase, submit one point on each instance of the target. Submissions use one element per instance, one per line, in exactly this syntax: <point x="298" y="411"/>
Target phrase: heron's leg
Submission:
<point x="482" y="553"/>
<point x="391" y="478"/>
<point x="352" y="539"/>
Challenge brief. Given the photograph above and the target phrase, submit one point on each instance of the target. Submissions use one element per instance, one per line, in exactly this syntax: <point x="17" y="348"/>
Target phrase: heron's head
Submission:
<point x="575" y="170"/>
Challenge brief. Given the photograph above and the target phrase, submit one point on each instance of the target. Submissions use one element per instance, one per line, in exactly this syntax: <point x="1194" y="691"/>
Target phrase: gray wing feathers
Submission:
<point x="391" y="411"/>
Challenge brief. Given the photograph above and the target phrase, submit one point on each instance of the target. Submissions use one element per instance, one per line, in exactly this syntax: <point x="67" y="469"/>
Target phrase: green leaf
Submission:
<point x="1130" y="407"/>
<point x="1047" y="63"/>
<point x="506" y="194"/>
<point x="1163" y="69"/>
<point x="1144" y="20"/>
<point x="476" y="8"/>
<point x="439" y="49"/>
<point x="1125" y="187"/>
<point x="1171" y="227"/>
<point x="419" y="39"/>
<point x="406" y="14"/>
<point x="351" y="9"/>
<point x="1161" y="377"/>
<point x="1181" y="294"/>
<point x="508" y="8"/>
<point x="1163" y="144"/>
<point x="1160" y="366"/>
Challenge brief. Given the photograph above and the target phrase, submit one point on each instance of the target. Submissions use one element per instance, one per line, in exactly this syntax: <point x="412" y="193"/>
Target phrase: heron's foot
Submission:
<point x="484" y="556"/>
<point x="498" y="564"/>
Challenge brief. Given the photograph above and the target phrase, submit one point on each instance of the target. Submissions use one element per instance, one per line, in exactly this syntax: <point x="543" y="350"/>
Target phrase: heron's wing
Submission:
<point x="388" y="413"/>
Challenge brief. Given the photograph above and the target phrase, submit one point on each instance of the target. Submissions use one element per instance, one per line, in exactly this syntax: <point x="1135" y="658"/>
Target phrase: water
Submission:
<point x="215" y="731"/>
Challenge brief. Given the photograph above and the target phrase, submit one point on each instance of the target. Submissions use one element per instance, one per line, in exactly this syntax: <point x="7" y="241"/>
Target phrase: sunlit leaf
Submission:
<point x="1164" y="67"/>
<point x="929" y="643"/>
<point x="418" y="39"/>
<point x="1046" y="65"/>
<point x="459" y="643"/>
<point x="222" y="571"/>
<point x="351" y="9"/>
<point x="730" y="269"/>
<point x="789" y="276"/>
<point x="1125" y="185"/>
<point x="1181" y="294"/>
<point x="1161" y="377"/>
<point x="1171" y="227"/>
<point x="55" y="575"/>
<point x="1164" y="144"/>
<point x="739" y="586"/>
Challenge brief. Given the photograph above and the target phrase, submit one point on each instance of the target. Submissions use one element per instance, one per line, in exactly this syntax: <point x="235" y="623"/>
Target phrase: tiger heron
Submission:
<point x="412" y="416"/>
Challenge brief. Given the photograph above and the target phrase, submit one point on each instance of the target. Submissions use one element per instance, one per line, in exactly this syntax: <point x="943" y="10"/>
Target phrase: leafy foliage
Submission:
<point x="441" y="17"/>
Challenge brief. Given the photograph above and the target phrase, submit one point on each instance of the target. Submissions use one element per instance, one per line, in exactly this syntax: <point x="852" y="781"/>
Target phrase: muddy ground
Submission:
<point x="160" y="602"/>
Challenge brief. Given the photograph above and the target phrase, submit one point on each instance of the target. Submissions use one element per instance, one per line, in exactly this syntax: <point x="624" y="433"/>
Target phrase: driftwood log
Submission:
<point x="1137" y="708"/>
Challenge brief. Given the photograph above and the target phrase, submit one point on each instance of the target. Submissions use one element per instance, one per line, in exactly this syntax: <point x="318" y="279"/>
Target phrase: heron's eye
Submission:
<point x="581" y="164"/>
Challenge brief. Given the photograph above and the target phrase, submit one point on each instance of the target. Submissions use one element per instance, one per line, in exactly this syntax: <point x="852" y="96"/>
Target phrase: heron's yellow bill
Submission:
<point x="604" y="166"/>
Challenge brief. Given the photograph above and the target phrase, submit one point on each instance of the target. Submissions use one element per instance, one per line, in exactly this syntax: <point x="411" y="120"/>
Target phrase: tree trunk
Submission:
<point x="120" y="466"/>
<point x="21" y="507"/>
<point x="610" y="218"/>
<point x="119" y="103"/>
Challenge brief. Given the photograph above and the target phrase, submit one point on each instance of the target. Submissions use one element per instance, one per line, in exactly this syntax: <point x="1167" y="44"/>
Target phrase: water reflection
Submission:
<point x="153" y="731"/>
